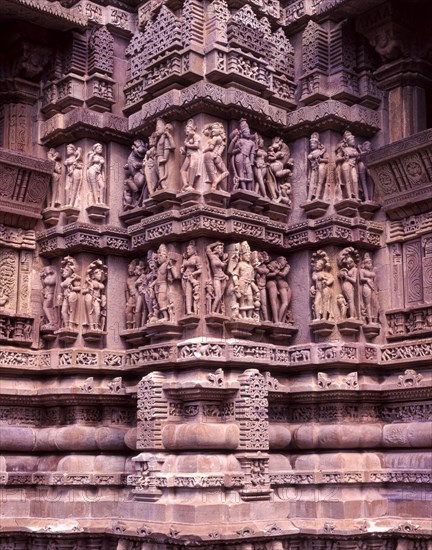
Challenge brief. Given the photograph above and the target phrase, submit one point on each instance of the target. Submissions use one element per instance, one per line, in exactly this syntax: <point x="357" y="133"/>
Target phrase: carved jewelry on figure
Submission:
<point x="348" y="260"/>
<point x="278" y="289"/>
<point x="215" y="288"/>
<point x="70" y="287"/>
<point x="49" y="279"/>
<point x="164" y="147"/>
<point x="96" y="175"/>
<point x="347" y="175"/>
<point x="74" y="174"/>
<point x="131" y="295"/>
<point x="165" y="272"/>
<point x="191" y="150"/>
<point x="55" y="199"/>
<point x="317" y="168"/>
<point x="366" y="182"/>
<point x="322" y="290"/>
<point x="191" y="270"/>
<point x="242" y="151"/>
<point x="280" y="167"/>
<point x="369" y="291"/>
<point x="245" y="290"/>
<point x="135" y="186"/>
<point x="215" y="167"/>
<point x="95" y="295"/>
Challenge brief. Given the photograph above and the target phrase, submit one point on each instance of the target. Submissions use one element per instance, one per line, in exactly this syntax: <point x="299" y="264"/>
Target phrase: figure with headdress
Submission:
<point x="94" y="295"/>
<point x="131" y="295"/>
<point x="213" y="162"/>
<point x="280" y="167"/>
<point x="348" y="275"/>
<point x="191" y="150"/>
<point x="321" y="290"/>
<point x="164" y="147"/>
<point x="191" y="270"/>
<point x="366" y="181"/>
<point x="246" y="291"/>
<point x="369" y="291"/>
<point x="165" y="273"/>
<point x="49" y="279"/>
<point x="347" y="176"/>
<point x="55" y="200"/>
<point x="96" y="174"/>
<point x="218" y="262"/>
<point x="74" y="173"/>
<point x="242" y="152"/>
<point x="279" y="291"/>
<point x="318" y="168"/>
<point x="135" y="181"/>
<point x="70" y="287"/>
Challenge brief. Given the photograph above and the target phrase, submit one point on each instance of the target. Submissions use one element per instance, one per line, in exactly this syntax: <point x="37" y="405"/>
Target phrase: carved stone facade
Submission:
<point x="215" y="274"/>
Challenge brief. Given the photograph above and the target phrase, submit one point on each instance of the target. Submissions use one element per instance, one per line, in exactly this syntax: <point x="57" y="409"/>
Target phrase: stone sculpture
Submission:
<point x="74" y="173"/>
<point x="191" y="270"/>
<point x="95" y="295"/>
<point x="322" y="291"/>
<point x="366" y="182"/>
<point x="131" y="295"/>
<point x="261" y="168"/>
<point x="164" y="145"/>
<point x="317" y="168"/>
<point x="96" y="175"/>
<point x="150" y="164"/>
<point x="146" y="307"/>
<point x="135" y="182"/>
<point x="191" y="150"/>
<point x="215" y="288"/>
<point x="70" y="287"/>
<point x="280" y="167"/>
<point x="348" y="275"/>
<point x="165" y="272"/>
<point x="242" y="152"/>
<point x="55" y="199"/>
<point x="49" y="279"/>
<point x="260" y="262"/>
<point x="369" y="291"/>
<point x="279" y="291"/>
<point x="215" y="167"/>
<point x="245" y="289"/>
<point x="347" y="176"/>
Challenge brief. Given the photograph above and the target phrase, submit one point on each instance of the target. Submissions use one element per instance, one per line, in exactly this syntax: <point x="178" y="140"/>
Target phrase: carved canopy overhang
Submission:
<point x="344" y="8"/>
<point x="43" y="13"/>
<point x="24" y="182"/>
<point x="403" y="173"/>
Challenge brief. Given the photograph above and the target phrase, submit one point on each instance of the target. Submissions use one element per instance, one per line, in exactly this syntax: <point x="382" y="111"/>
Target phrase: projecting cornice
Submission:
<point x="43" y="13"/>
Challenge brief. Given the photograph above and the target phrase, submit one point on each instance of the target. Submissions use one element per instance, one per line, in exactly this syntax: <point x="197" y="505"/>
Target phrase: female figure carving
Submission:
<point x="94" y="295"/>
<point x="74" y="173"/>
<point x="218" y="262"/>
<point x="55" y="201"/>
<point x="246" y="290"/>
<point x="260" y="262"/>
<point x="96" y="175"/>
<point x="346" y="167"/>
<point x="151" y="166"/>
<point x="131" y="295"/>
<point x="260" y="167"/>
<point x="213" y="162"/>
<point x="348" y="275"/>
<point x="369" y="290"/>
<point x="322" y="287"/>
<point x="366" y="181"/>
<point x="49" y="286"/>
<point x="164" y="274"/>
<point x="190" y="170"/>
<point x="70" y="287"/>
<point x="135" y="182"/>
<point x="318" y="168"/>
<point x="190" y="270"/>
<point x="279" y="291"/>
<point x="280" y="167"/>
<point x="164" y="146"/>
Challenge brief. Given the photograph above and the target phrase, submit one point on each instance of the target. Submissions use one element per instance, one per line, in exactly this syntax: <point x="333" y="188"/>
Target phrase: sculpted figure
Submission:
<point x="347" y="177"/>
<point x="369" y="291"/>
<point x="322" y="287"/>
<point x="151" y="165"/>
<point x="49" y="280"/>
<point x="94" y="295"/>
<point x="246" y="290"/>
<point x="145" y="310"/>
<point x="242" y="151"/>
<point x="260" y="261"/>
<point x="260" y="167"/>
<point x="348" y="275"/>
<point x="318" y="168"/>
<point x="70" y="287"/>
<point x="214" y="165"/>
<point x="191" y="150"/>
<point x="55" y="200"/>
<point x="280" y="167"/>
<point x="366" y="181"/>
<point x="131" y="295"/>
<point x="218" y="262"/>
<point x="96" y="174"/>
<point x="164" y="275"/>
<point x="190" y="270"/>
<point x="74" y="173"/>
<point x="135" y="182"/>
<point x="279" y="291"/>
<point x="164" y="144"/>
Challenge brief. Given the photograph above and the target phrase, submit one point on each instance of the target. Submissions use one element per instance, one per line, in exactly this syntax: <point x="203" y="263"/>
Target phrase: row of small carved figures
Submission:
<point x="251" y="167"/>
